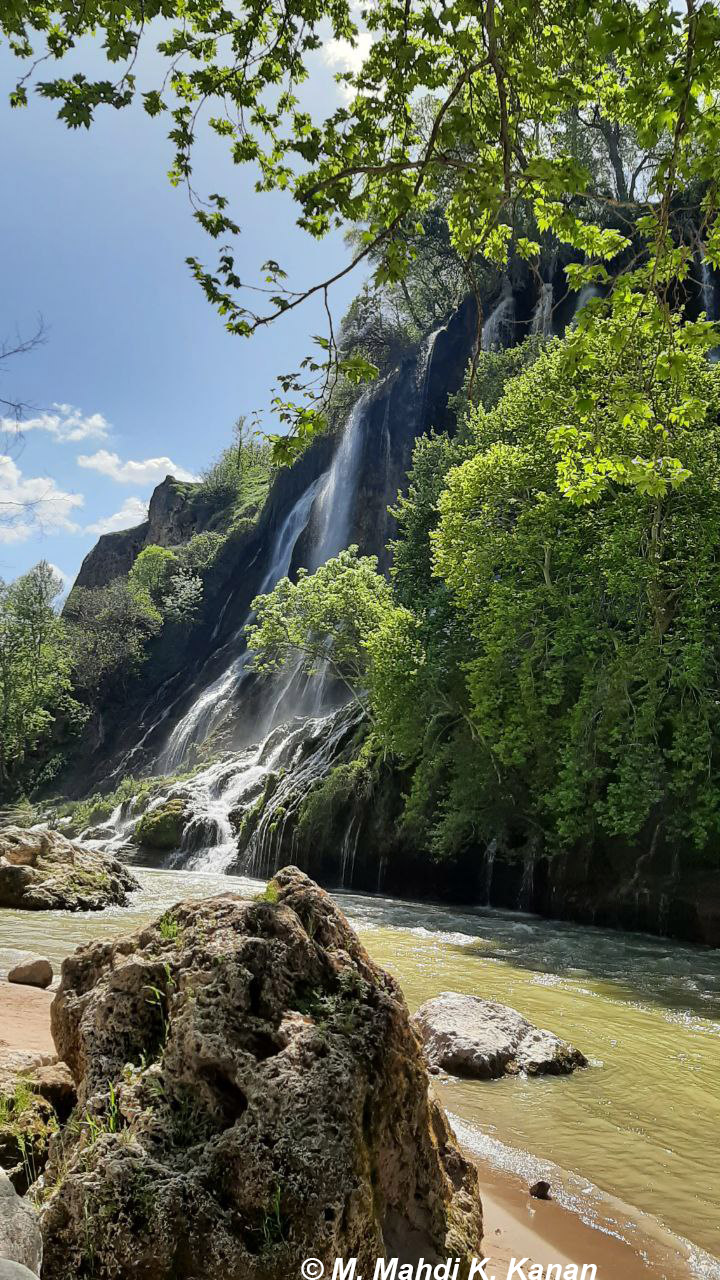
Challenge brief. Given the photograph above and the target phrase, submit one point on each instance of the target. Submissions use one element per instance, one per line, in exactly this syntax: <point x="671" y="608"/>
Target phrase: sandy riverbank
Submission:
<point x="516" y="1226"/>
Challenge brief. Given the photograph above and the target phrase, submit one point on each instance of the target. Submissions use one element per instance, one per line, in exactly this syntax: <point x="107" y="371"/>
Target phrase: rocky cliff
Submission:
<point x="176" y="511"/>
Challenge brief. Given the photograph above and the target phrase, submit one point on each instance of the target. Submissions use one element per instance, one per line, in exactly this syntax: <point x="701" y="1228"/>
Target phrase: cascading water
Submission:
<point x="586" y="294"/>
<point x="250" y="799"/>
<point x="498" y="331"/>
<point x="209" y="707"/>
<point x="542" y="321"/>
<point x="709" y="301"/>
<point x="333" y="510"/>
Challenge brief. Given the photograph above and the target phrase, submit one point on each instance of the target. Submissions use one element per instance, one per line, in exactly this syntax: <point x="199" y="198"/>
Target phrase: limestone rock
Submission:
<point x="14" y="1271"/>
<point x="254" y="1095"/>
<point x="41" y="870"/>
<point x="481" y="1039"/>
<point x="55" y="1084"/>
<point x="20" y="1239"/>
<point x="32" y="971"/>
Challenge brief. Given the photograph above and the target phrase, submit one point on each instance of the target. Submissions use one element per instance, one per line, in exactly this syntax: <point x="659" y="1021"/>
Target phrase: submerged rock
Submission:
<point x="252" y="1094"/>
<point x="467" y="1036"/>
<point x="20" y="1239"/>
<point x="31" y="971"/>
<point x="41" y="870"/>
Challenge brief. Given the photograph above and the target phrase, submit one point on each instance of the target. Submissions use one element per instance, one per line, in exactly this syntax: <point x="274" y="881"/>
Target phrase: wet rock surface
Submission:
<point x="481" y="1039"/>
<point x="41" y="870"/>
<point x="251" y="1093"/>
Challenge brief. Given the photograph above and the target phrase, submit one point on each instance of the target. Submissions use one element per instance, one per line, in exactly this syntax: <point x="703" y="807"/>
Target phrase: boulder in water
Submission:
<point x="481" y="1039"/>
<point x="41" y="870"/>
<point x="253" y="1094"/>
<point x="162" y="827"/>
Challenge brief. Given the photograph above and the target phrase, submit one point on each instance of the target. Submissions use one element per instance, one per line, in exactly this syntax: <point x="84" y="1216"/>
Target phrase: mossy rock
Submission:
<point x="162" y="827"/>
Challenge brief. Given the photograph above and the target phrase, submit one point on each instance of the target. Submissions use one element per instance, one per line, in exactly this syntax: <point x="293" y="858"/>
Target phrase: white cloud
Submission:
<point x="149" y="471"/>
<point x="345" y="56"/>
<point x="33" y="504"/>
<point x="133" y="511"/>
<point x="67" y="424"/>
<point x="62" y="575"/>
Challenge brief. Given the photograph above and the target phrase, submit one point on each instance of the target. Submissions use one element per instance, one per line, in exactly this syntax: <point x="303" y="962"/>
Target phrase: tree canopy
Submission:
<point x="586" y="120"/>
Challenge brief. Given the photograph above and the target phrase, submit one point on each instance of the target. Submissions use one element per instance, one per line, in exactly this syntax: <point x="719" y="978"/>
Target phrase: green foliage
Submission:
<point x="321" y="618"/>
<point x="35" y="681"/>
<point x="183" y="599"/>
<point x="565" y="676"/>
<point x="151" y="573"/>
<point x="509" y="125"/>
<point x="238" y="481"/>
<point x="197" y="555"/>
<point x="107" y="631"/>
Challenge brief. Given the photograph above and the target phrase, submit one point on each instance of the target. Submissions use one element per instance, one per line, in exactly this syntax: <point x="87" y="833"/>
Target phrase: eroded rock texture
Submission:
<point x="250" y="1093"/>
<point x="41" y="870"/>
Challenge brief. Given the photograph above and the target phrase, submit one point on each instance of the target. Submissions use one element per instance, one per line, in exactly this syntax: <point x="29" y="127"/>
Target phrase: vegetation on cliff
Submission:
<point x="547" y="667"/>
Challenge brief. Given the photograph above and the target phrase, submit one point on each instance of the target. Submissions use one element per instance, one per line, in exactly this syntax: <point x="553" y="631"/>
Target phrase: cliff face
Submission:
<point x="406" y="402"/>
<point x="174" y="515"/>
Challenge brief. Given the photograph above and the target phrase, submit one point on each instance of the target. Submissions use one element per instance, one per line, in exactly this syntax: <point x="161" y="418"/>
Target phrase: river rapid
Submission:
<point x="631" y="1143"/>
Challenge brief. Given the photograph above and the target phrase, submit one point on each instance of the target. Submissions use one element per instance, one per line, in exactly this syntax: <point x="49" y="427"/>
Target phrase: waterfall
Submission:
<point x="709" y="301"/>
<point x="586" y="294"/>
<point x="333" y="511"/>
<point x="209" y="707"/>
<point x="424" y="368"/>
<point x="498" y="331"/>
<point x="488" y="868"/>
<point x="527" y="884"/>
<point x="308" y="754"/>
<point x="542" y="321"/>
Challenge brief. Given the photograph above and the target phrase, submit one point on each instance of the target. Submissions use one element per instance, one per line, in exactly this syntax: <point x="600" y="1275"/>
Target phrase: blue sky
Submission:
<point x="137" y="375"/>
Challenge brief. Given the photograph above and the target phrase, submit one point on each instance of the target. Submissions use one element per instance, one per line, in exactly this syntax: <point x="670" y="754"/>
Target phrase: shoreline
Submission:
<point x="516" y="1226"/>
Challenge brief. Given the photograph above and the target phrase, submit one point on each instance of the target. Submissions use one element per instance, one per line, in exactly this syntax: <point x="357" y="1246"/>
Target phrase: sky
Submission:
<point x="136" y="377"/>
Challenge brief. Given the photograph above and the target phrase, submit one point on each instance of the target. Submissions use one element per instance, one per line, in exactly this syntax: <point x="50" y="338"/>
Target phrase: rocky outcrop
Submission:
<point x="162" y="826"/>
<point x="481" y="1039"/>
<point x="20" y="1239"/>
<point x="175" y="513"/>
<point x="31" y="971"/>
<point x="253" y="1094"/>
<point x="41" y="870"/>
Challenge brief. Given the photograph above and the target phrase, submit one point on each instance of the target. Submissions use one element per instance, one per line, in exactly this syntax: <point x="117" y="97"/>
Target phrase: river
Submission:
<point x="633" y="1140"/>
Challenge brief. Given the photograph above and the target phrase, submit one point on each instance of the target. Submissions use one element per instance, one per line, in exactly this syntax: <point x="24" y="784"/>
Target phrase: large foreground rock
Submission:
<point x="20" y="1239"/>
<point x="41" y="870"/>
<point x="467" y="1036"/>
<point x="251" y="1094"/>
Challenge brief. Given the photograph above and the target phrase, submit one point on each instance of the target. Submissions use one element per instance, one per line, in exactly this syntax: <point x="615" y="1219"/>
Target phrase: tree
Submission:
<point x="323" y="618"/>
<point x="493" y="150"/>
<point x="107" y="631"/>
<point x="35" y="679"/>
<point x="150" y="573"/>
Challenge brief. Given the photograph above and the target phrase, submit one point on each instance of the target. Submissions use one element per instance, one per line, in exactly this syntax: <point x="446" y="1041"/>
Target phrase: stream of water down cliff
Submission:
<point x="638" y="1128"/>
